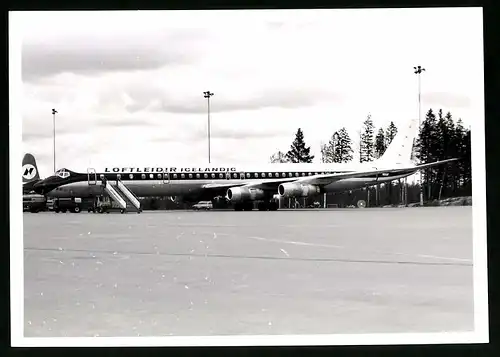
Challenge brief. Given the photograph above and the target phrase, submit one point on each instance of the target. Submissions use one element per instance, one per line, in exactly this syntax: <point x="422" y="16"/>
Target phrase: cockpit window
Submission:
<point x="62" y="173"/>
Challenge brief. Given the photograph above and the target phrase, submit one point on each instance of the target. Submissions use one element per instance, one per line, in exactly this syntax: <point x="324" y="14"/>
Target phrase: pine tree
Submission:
<point x="338" y="149"/>
<point x="390" y="133"/>
<point x="467" y="167"/>
<point x="426" y="145"/>
<point x="380" y="143"/>
<point x="325" y="154"/>
<point x="279" y="157"/>
<point x="460" y="133"/>
<point x="330" y="152"/>
<point x="298" y="151"/>
<point x="452" y="171"/>
<point x="367" y="145"/>
<point x="345" y="151"/>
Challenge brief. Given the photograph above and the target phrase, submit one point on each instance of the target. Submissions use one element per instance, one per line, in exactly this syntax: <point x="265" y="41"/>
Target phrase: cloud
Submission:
<point x="218" y="132"/>
<point x="104" y="52"/>
<point x="230" y="102"/>
<point x="125" y="122"/>
<point x="447" y="100"/>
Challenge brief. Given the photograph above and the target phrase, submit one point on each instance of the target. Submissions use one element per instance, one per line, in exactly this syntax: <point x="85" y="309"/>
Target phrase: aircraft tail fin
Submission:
<point x="30" y="169"/>
<point x="400" y="150"/>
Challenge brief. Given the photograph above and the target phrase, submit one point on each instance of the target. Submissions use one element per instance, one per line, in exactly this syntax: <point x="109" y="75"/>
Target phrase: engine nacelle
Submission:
<point x="241" y="194"/>
<point x="297" y="190"/>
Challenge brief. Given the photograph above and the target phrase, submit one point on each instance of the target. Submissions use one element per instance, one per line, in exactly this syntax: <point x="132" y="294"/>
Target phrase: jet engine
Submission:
<point x="241" y="194"/>
<point x="297" y="190"/>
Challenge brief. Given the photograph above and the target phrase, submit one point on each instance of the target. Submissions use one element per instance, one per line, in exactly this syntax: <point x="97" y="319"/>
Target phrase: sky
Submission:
<point x="128" y="85"/>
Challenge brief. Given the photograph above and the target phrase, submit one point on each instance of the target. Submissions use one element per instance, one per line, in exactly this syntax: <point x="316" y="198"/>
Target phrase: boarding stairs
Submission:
<point x="122" y="195"/>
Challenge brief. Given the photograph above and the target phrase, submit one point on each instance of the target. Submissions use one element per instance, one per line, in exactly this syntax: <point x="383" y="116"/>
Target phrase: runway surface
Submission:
<point x="224" y="273"/>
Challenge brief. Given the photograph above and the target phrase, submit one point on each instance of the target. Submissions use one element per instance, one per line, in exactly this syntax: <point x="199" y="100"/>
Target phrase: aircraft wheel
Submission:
<point x="100" y="210"/>
<point x="77" y="209"/>
<point x="238" y="207"/>
<point x="56" y="210"/>
<point x="122" y="211"/>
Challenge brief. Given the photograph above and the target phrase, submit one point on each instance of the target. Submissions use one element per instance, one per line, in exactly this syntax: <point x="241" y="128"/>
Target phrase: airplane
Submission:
<point x="241" y="185"/>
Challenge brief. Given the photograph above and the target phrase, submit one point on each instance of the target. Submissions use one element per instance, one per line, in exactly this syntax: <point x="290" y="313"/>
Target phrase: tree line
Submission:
<point x="440" y="137"/>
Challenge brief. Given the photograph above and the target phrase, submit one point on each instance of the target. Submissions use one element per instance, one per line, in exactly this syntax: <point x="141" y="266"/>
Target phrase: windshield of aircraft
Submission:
<point x="62" y="173"/>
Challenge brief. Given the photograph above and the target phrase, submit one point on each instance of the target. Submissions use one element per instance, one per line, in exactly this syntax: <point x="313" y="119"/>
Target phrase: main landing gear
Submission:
<point x="261" y="206"/>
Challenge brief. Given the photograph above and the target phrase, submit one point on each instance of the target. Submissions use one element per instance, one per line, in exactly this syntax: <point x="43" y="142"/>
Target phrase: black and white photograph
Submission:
<point x="248" y="177"/>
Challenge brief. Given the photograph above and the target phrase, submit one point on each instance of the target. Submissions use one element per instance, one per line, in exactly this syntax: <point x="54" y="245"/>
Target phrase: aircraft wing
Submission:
<point x="324" y="179"/>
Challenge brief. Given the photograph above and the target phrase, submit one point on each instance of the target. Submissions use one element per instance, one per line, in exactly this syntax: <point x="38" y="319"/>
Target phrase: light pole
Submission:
<point x="418" y="71"/>
<point x="54" y="135"/>
<point x="207" y="95"/>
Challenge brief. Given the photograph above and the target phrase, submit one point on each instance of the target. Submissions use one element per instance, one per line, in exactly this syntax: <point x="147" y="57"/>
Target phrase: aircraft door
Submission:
<point x="91" y="176"/>
<point x="228" y="176"/>
<point x="242" y="175"/>
<point x="166" y="177"/>
<point x="376" y="175"/>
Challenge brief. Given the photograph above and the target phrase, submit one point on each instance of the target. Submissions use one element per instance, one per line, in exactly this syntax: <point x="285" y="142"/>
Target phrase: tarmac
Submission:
<point x="248" y="273"/>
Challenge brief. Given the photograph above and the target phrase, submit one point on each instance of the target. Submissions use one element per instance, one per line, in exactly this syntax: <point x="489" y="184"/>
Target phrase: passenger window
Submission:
<point x="290" y="174"/>
<point x="131" y="176"/>
<point x="159" y="176"/>
<point x="190" y="175"/>
<point x="143" y="176"/>
<point x="221" y="176"/>
<point x="235" y="175"/>
<point x="277" y="174"/>
<point x="175" y="176"/>
<point x="213" y="175"/>
<point x="205" y="175"/>
<point x="248" y="175"/>
<point x="183" y="176"/>
<point x="256" y="175"/>
<point x="263" y="175"/>
<point x="296" y="174"/>
<point x="197" y="175"/>
<point x="151" y="176"/>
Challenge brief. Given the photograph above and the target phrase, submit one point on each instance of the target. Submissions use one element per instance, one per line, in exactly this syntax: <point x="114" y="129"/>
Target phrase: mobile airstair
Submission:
<point x="121" y="195"/>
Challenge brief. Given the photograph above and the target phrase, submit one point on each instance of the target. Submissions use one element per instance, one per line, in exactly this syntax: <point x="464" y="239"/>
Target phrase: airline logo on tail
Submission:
<point x="29" y="172"/>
